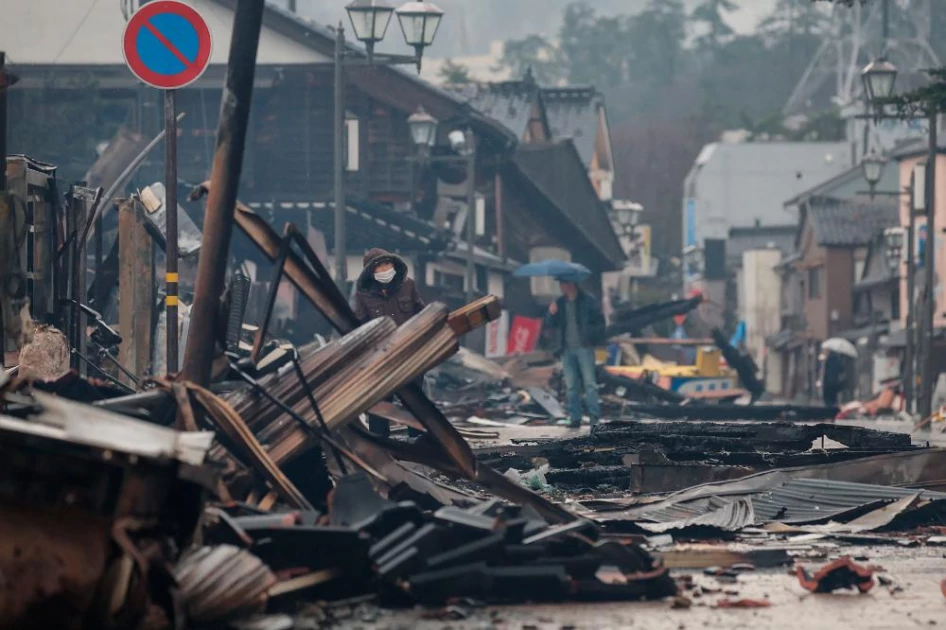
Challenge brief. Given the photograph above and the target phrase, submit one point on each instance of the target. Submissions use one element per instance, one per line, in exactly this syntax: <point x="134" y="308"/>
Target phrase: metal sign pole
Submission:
<point x="170" y="212"/>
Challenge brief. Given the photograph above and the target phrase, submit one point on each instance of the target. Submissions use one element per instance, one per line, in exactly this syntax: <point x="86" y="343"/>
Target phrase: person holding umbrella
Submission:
<point x="834" y="375"/>
<point x="579" y="324"/>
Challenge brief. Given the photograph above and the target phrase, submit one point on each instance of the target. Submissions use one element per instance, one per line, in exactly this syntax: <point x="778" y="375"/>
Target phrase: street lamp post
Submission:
<point x="879" y="78"/>
<point x="369" y="21"/>
<point x="893" y="250"/>
<point x="423" y="128"/>
<point x="873" y="166"/>
<point x="627" y="216"/>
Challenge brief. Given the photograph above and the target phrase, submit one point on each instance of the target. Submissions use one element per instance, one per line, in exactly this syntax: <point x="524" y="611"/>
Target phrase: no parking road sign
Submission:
<point x="167" y="44"/>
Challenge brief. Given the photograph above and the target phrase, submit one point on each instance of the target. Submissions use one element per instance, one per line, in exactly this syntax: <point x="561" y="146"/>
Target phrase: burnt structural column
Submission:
<point x="224" y="181"/>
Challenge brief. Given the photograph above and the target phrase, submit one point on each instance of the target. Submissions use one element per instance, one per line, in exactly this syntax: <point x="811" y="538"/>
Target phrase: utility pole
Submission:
<point x="221" y="201"/>
<point x="341" y="256"/>
<point x="471" y="213"/>
<point x="170" y="213"/>
<point x="909" y="368"/>
<point x="929" y="260"/>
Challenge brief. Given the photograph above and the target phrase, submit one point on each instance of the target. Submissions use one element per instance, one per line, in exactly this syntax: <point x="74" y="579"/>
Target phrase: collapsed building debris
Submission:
<point x="489" y="551"/>
<point x="633" y="320"/>
<point x="841" y="492"/>
<point x="130" y="493"/>
<point x="648" y="457"/>
<point x="843" y="573"/>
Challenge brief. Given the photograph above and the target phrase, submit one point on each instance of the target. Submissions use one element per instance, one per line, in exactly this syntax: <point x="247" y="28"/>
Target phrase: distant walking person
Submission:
<point x="580" y="325"/>
<point x="384" y="290"/>
<point x="832" y="381"/>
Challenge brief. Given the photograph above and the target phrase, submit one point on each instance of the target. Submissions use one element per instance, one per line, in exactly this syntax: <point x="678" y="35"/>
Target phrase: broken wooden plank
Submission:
<point x="136" y="290"/>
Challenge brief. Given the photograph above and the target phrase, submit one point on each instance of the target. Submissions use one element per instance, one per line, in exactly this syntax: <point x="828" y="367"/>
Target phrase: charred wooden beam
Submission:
<point x="638" y="389"/>
<point x="728" y="411"/>
<point x="135" y="288"/>
<point x="225" y="175"/>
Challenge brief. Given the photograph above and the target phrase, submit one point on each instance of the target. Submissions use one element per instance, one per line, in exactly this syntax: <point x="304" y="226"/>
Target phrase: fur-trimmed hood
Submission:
<point x="366" y="281"/>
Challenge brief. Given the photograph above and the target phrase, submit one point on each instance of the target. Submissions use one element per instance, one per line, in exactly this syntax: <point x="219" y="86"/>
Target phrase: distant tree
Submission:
<point x="596" y="49"/>
<point x="709" y="16"/>
<point x="454" y="73"/>
<point x="793" y="19"/>
<point x="537" y="53"/>
<point x="656" y="39"/>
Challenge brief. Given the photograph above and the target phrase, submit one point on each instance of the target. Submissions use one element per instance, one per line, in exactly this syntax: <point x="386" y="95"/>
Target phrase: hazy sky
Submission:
<point x="469" y="25"/>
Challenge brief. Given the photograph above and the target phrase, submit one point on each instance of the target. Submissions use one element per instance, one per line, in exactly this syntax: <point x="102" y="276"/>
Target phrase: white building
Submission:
<point x="743" y="184"/>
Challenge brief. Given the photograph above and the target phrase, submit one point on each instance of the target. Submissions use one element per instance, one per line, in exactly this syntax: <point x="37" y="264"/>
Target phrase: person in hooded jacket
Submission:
<point x="384" y="290"/>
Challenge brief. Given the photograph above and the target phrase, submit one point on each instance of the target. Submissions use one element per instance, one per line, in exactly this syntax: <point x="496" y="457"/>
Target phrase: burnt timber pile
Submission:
<point x="655" y="457"/>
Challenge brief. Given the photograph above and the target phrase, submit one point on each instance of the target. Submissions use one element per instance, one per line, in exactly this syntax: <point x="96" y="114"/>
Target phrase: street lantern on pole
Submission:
<point x="423" y="128"/>
<point x="879" y="77"/>
<point x="693" y="260"/>
<point x="873" y="166"/>
<point x="893" y="248"/>
<point x="369" y="21"/>
<point x="419" y="23"/>
<point x="627" y="216"/>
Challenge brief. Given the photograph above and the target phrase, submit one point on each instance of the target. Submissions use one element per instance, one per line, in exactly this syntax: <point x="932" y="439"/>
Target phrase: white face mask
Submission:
<point x="385" y="277"/>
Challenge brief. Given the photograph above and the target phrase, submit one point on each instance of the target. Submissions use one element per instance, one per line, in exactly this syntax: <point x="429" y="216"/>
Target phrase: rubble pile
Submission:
<point x="653" y="457"/>
<point x="175" y="503"/>
<point x="490" y="551"/>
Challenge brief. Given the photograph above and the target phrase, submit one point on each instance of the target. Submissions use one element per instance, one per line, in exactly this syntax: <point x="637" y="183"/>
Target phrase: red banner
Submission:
<point x="523" y="335"/>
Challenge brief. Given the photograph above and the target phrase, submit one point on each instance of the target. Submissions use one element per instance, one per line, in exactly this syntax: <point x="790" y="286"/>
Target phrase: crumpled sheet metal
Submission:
<point x="800" y="501"/>
<point x="882" y="515"/>
<point x="923" y="468"/>
<point x="222" y="583"/>
<point x="730" y="517"/>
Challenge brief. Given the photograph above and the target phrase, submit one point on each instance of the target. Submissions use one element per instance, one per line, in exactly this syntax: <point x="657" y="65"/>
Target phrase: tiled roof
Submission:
<point x="851" y="223"/>
<point x="367" y="225"/>
<point x="573" y="114"/>
<point x="509" y="103"/>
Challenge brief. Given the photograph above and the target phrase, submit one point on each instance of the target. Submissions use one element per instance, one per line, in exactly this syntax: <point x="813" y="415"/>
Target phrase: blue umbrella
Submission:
<point x="558" y="269"/>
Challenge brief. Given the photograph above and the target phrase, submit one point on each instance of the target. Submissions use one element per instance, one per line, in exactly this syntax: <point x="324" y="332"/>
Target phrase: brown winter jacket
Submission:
<point x="398" y="300"/>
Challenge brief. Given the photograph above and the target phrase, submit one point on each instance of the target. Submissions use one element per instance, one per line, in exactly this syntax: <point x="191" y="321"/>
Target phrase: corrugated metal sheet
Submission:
<point x="730" y="517"/>
<point x="676" y="512"/>
<point x="811" y="500"/>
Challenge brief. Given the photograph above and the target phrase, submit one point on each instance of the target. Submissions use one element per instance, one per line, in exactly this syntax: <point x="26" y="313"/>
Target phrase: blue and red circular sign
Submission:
<point x="167" y="44"/>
